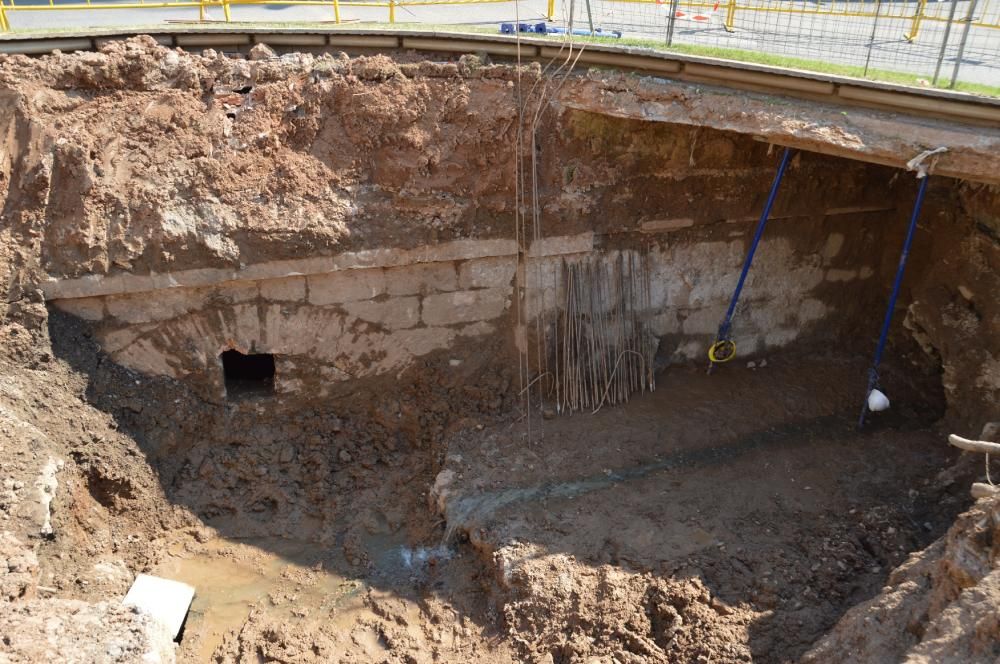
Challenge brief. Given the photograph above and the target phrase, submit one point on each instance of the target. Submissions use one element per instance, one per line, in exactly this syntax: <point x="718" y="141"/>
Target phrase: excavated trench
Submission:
<point x="301" y="348"/>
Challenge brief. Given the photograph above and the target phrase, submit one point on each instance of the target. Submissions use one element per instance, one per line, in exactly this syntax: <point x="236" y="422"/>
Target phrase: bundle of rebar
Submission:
<point x="603" y="347"/>
<point x="531" y="106"/>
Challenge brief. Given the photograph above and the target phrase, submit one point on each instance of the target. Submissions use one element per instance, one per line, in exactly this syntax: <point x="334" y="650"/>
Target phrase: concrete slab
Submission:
<point x="167" y="601"/>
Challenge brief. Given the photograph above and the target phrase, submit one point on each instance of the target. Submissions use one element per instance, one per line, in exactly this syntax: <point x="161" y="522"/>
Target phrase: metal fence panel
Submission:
<point x="913" y="41"/>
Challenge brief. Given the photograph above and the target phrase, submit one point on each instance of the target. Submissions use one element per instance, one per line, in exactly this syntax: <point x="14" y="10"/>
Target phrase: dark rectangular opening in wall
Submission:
<point x="248" y="375"/>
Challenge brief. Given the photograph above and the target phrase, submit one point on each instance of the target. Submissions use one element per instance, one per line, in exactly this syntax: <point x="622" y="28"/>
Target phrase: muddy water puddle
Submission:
<point x="291" y="581"/>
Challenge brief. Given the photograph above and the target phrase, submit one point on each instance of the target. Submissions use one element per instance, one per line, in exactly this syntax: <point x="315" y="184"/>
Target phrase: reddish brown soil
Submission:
<point x="721" y="519"/>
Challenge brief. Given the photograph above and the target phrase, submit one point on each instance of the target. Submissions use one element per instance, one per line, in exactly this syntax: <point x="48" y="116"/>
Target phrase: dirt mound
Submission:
<point x="560" y="611"/>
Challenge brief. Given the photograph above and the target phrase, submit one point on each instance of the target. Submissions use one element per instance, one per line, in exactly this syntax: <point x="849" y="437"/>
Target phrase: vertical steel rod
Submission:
<point x="961" y="45"/>
<point x="670" y="22"/>
<point x="871" y="40"/>
<point x="944" y="43"/>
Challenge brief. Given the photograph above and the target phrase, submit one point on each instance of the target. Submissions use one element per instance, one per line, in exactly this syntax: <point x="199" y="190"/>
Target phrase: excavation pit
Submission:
<point x="443" y="442"/>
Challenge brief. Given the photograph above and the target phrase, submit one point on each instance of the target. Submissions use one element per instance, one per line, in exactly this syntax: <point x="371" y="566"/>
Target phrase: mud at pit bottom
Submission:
<point x="272" y="599"/>
<point x="732" y="517"/>
<point x="723" y="518"/>
<point x="273" y="578"/>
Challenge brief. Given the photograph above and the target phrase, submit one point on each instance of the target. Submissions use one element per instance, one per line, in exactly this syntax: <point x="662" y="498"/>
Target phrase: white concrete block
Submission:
<point x="691" y="350"/>
<point x="165" y="600"/>
<point x="834" y="243"/>
<point x="424" y="340"/>
<point x="705" y="288"/>
<point x="85" y="286"/>
<point x="243" y="328"/>
<point x="811" y="310"/>
<point x="346" y="286"/>
<point x="456" y="250"/>
<point x="290" y="289"/>
<point x="464" y="306"/>
<point x="114" y="340"/>
<point x="669" y="287"/>
<point x="542" y="272"/>
<point x="476" y="329"/>
<point x="703" y="321"/>
<point x="161" y="305"/>
<point x="87" y="308"/>
<point x="197" y="278"/>
<point x="293" y="267"/>
<point x="665" y="225"/>
<point x="423" y="279"/>
<point x="665" y="323"/>
<point x="780" y="337"/>
<point x="312" y="331"/>
<point x="487" y="272"/>
<point x="747" y="344"/>
<point x="145" y="357"/>
<point x="765" y="314"/>
<point x="562" y="244"/>
<point x="541" y="300"/>
<point x="235" y="292"/>
<point x="395" y="314"/>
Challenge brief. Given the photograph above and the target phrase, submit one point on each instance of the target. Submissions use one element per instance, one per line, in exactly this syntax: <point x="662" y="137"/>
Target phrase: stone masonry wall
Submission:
<point x="323" y="328"/>
<point x="365" y="314"/>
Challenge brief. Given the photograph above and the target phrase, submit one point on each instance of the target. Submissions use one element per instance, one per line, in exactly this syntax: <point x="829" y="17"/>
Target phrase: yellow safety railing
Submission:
<point x="10" y="6"/>
<point x="917" y="17"/>
<point x="987" y="14"/>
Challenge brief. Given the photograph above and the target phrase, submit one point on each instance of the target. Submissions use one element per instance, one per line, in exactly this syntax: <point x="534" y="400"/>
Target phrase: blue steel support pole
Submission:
<point x="896" y="285"/>
<point x="727" y="320"/>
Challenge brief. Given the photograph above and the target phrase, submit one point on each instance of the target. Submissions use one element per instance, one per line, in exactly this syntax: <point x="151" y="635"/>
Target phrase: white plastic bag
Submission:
<point x="877" y="401"/>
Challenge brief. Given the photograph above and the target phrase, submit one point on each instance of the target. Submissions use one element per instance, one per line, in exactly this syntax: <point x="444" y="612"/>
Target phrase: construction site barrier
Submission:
<point x="986" y="14"/>
<point x="334" y="6"/>
<point x="981" y="14"/>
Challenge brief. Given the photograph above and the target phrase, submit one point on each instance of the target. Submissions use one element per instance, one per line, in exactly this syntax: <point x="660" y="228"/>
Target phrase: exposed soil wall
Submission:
<point x="954" y="311"/>
<point x="265" y="160"/>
